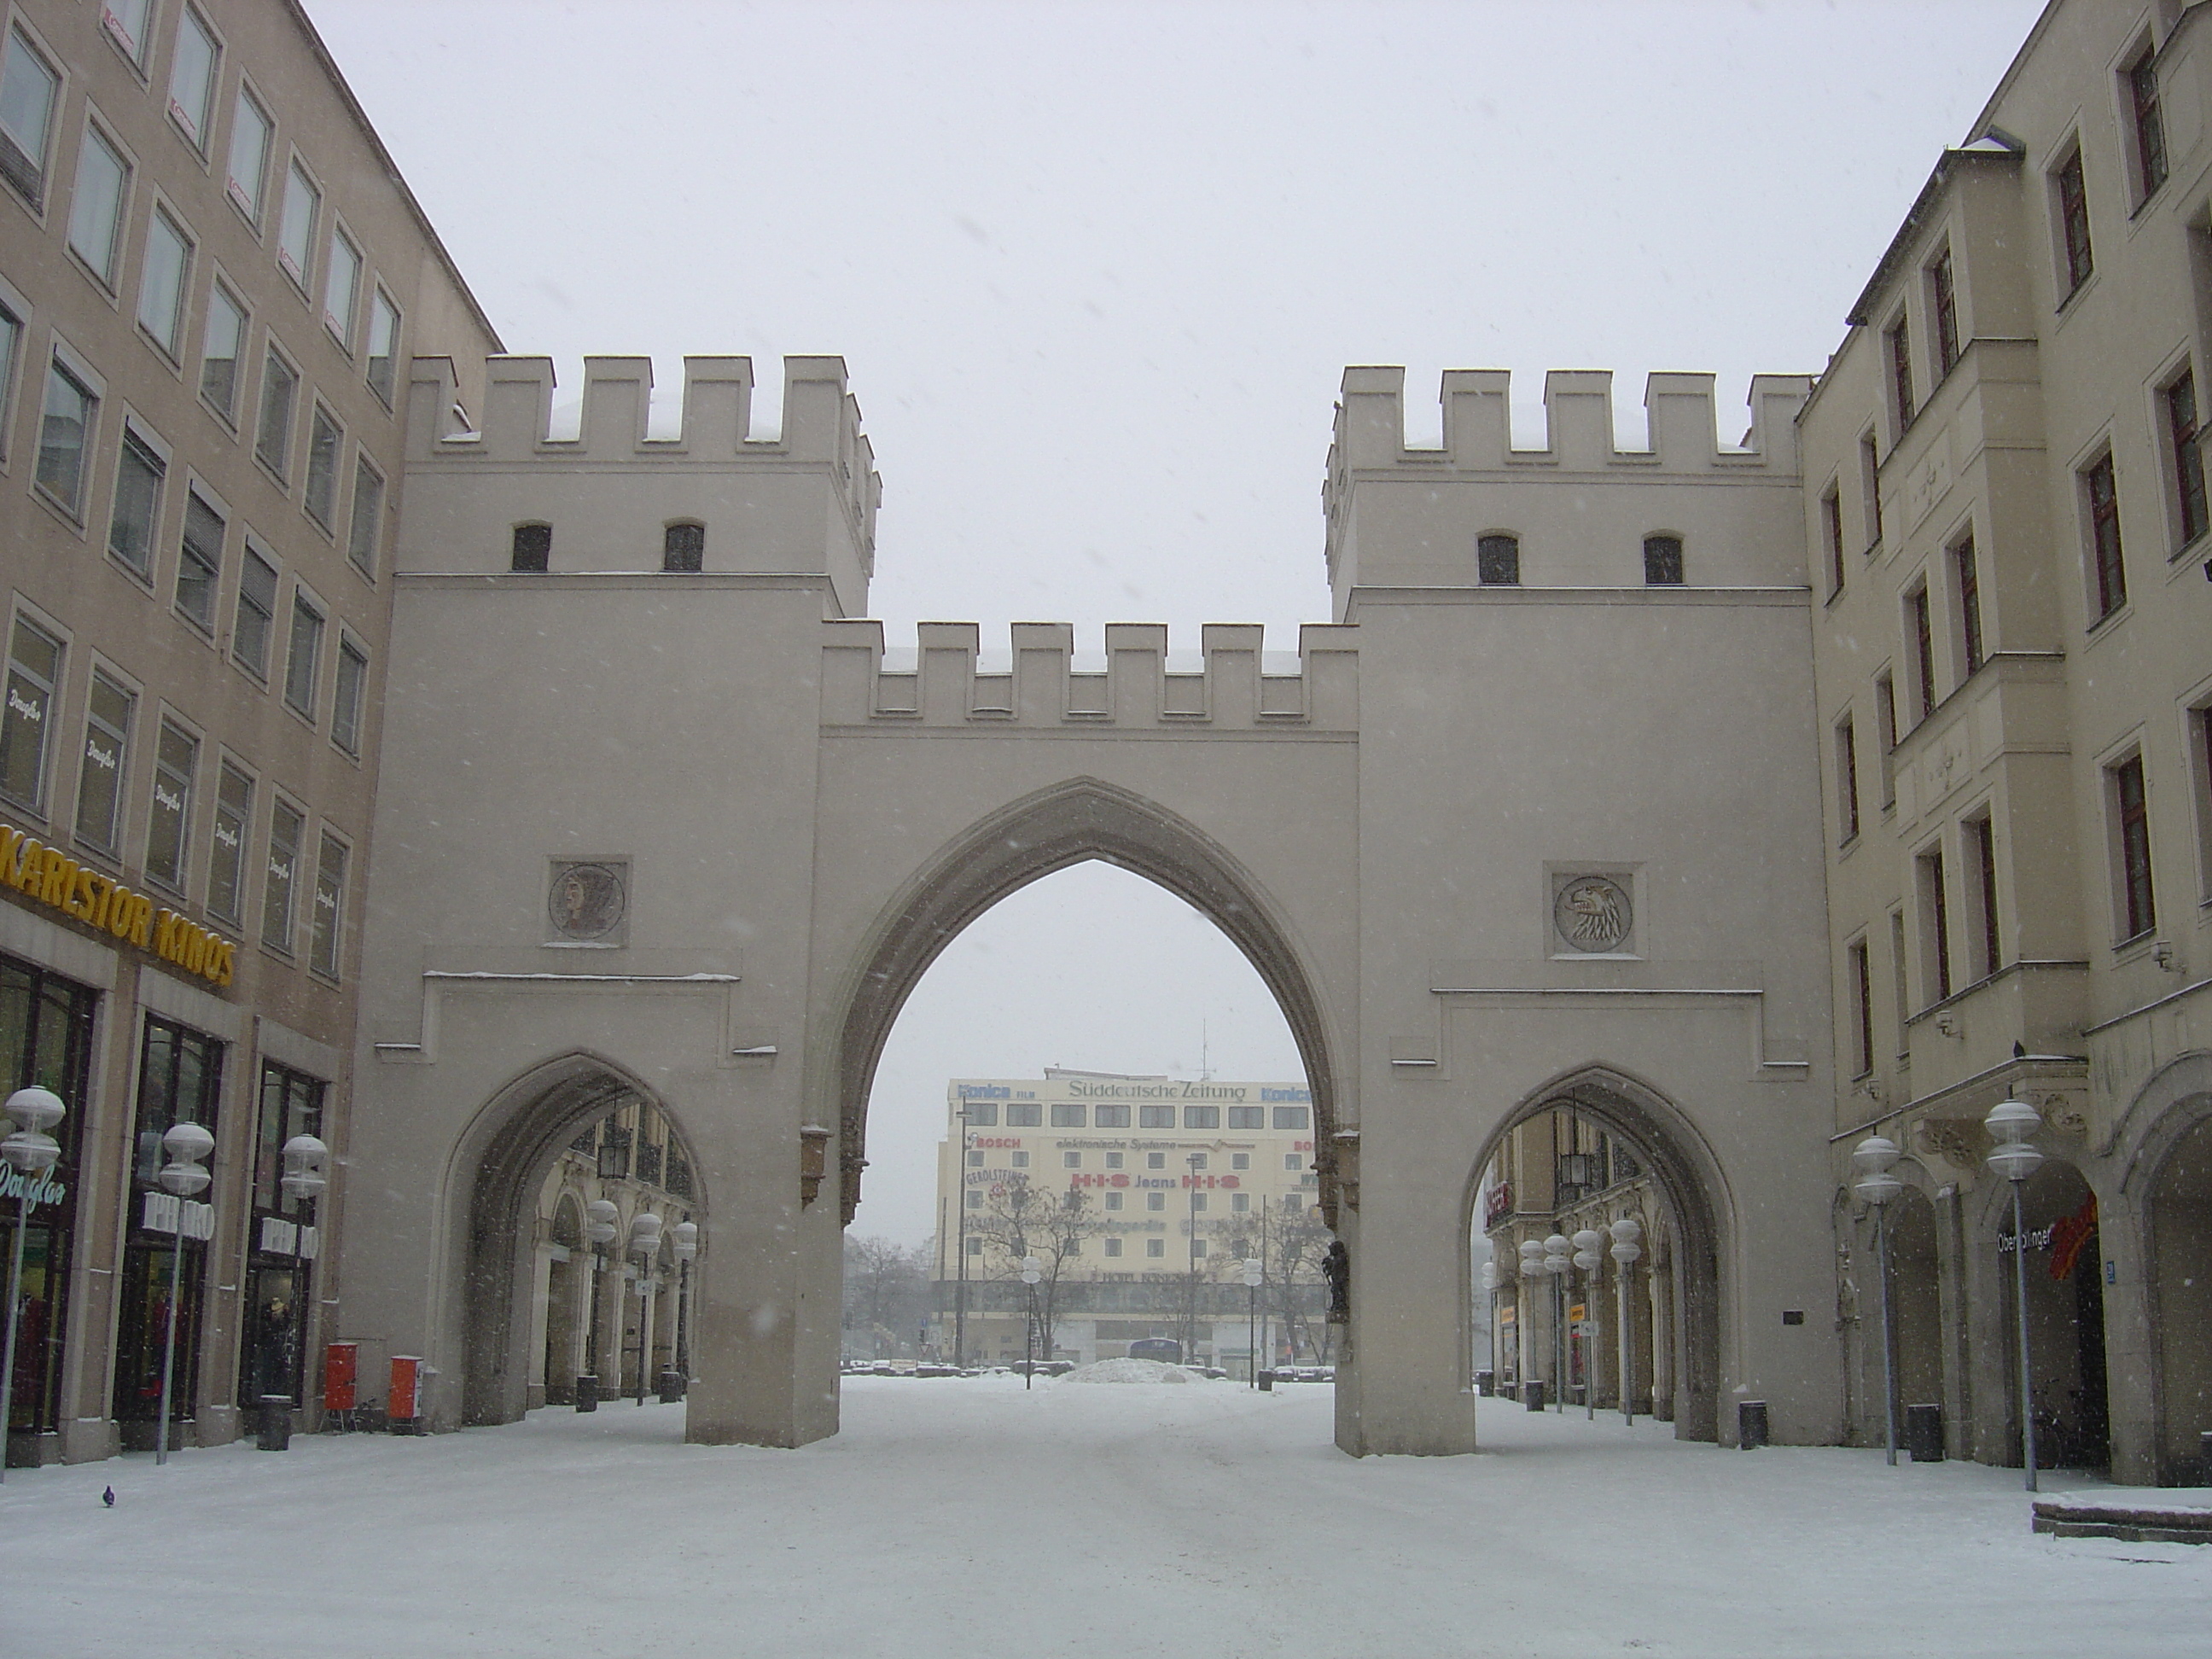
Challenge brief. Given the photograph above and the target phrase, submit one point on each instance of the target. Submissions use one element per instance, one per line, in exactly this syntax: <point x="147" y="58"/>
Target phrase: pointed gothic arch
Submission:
<point x="1069" y="823"/>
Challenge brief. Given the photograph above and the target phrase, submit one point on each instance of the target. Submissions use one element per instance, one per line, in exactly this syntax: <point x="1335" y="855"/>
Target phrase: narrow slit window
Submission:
<point x="2101" y="501"/>
<point x="1832" y="538"/>
<point x="684" y="548"/>
<point x="1923" y="637"/>
<point x="1943" y="314"/>
<point x="1860" y="972"/>
<point x="1498" y="561"/>
<point x="1899" y="339"/>
<point x="1967" y="576"/>
<point x="2149" y="126"/>
<point x="1847" y="781"/>
<point x="2073" y="194"/>
<point x="1982" y="844"/>
<point x="2131" y="815"/>
<point x="2187" y="456"/>
<point x="1663" y="561"/>
<point x="1935" y="922"/>
<point x="532" y="548"/>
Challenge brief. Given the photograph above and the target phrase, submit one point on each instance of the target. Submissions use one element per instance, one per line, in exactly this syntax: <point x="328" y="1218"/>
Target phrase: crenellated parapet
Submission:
<point x="609" y="492"/>
<point x="1043" y="689"/>
<point x="1580" y="504"/>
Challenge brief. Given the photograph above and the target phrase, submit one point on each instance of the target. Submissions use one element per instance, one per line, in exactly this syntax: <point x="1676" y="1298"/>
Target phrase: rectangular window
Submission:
<point x="328" y="929"/>
<point x="1202" y="1117"/>
<point x="11" y="337"/>
<point x="1943" y="314"/>
<point x="321" y="495"/>
<point x="2101" y="502"/>
<point x="2073" y="196"/>
<point x="341" y="289"/>
<point x="1156" y="1200"/>
<point x="2131" y="822"/>
<point x="1982" y="855"/>
<point x="285" y="827"/>
<point x="1156" y="1117"/>
<point x="199" y="563"/>
<point x="1885" y="713"/>
<point x="1197" y="1247"/>
<point x="1114" y="1159"/>
<point x="980" y="1114"/>
<point x="1071" y="1160"/>
<point x="346" y="701"/>
<point x="1113" y="1247"/>
<point x="1899" y="339"/>
<point x="1025" y="1117"/>
<point x="1159" y="1160"/>
<point x="126" y="21"/>
<point x="220" y="352"/>
<point x="96" y="206"/>
<point x="2200" y="731"/>
<point x="1156" y="1246"/>
<point x="295" y="229"/>
<point x="1935" y="923"/>
<point x="168" y="830"/>
<point x="272" y="441"/>
<point x="1066" y="1117"/>
<point x="1860" y="972"/>
<point x="1847" y="781"/>
<point x="1247" y="1118"/>
<point x="250" y="130"/>
<point x="29" y="85"/>
<point x="303" y="659"/>
<point x="1899" y="985"/>
<point x="684" y="548"/>
<point x="1663" y="561"/>
<point x="1021" y="1160"/>
<point x="34" y="669"/>
<point x="365" y="529"/>
<point x="256" y="620"/>
<point x="2149" y="127"/>
<point x="1242" y="1160"/>
<point x="1832" y="538"/>
<point x="1966" y="578"/>
<point x="1497" y="562"/>
<point x="137" y="514"/>
<point x="1920" y="635"/>
<point x="1198" y="1203"/>
<point x="192" y="78"/>
<point x="2188" y="457"/>
<point x="1110" y="1117"/>
<point x="161" y="285"/>
<point x="1240" y="1203"/>
<point x="1113" y="1200"/>
<point x="383" y="347"/>
<point x="234" y="822"/>
<point x="106" y="748"/>
<point x="64" y="431"/>
<point x="1870" y="488"/>
<point x="1290" y="1117"/>
<point x="291" y="1104"/>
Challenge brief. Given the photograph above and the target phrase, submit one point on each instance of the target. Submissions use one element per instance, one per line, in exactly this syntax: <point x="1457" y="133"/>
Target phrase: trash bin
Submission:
<point x="1531" y="1393"/>
<point x="587" y="1393"/>
<point x="276" y="1424"/>
<point x="1750" y="1424"/>
<point x="1266" y="1381"/>
<point x="672" y="1386"/>
<point x="1923" y="1433"/>
<point x="1486" y="1383"/>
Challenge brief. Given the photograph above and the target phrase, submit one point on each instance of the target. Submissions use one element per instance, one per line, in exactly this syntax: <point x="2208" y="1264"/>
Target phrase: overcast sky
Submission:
<point x="1096" y="270"/>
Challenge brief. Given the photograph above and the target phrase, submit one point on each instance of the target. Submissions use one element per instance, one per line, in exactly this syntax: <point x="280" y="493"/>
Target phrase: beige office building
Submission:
<point x="1148" y="1195"/>
<point x="2006" y="507"/>
<point x="210" y="282"/>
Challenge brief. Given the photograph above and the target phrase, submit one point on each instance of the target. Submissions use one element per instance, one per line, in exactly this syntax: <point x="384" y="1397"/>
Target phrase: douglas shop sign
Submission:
<point x="57" y="880"/>
<point x="44" y="1189"/>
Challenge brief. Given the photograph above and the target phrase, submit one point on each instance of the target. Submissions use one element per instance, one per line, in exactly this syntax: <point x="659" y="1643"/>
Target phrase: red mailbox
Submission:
<point x="341" y="1370"/>
<point x="400" y="1405"/>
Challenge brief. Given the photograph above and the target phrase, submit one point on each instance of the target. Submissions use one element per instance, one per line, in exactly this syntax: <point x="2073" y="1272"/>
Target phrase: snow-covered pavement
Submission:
<point x="967" y="1517"/>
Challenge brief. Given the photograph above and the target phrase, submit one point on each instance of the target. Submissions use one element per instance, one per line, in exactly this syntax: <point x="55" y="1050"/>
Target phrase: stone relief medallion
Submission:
<point x="587" y="901"/>
<point x="1592" y="914"/>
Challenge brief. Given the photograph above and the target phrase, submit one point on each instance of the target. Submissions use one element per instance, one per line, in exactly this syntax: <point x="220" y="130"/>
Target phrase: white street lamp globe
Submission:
<point x="2015" y="1160"/>
<point x="303" y="1167"/>
<point x="1557" y="1244"/>
<point x="686" y="1235"/>
<point x="186" y="1143"/>
<point x="1532" y="1249"/>
<point x="1876" y="1184"/>
<point x="645" y="1232"/>
<point x="1254" y="1271"/>
<point x="31" y="1152"/>
<point x="600" y="1222"/>
<point x="1626" y="1230"/>
<point x="1490" y="1275"/>
<point x="1032" y="1270"/>
<point x="35" y="1108"/>
<point x="2011" y="1124"/>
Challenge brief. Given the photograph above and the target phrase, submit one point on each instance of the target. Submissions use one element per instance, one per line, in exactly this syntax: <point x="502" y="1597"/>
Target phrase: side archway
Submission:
<point x="1073" y="822"/>
<point x="1672" y="1183"/>
<point x="502" y="1163"/>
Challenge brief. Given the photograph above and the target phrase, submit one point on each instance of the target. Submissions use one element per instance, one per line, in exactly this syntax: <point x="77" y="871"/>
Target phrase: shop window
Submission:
<point x="180" y="1081"/>
<point x="1663" y="561"/>
<point x="234" y="821"/>
<point x="291" y="1105"/>
<point x="107" y="720"/>
<point x="28" y="87"/>
<point x="199" y="562"/>
<point x="169" y="823"/>
<point x="46" y="1041"/>
<point x="95" y="232"/>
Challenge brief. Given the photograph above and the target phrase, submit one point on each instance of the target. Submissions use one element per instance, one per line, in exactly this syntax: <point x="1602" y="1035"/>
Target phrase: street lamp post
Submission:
<point x="1625" y="1251"/>
<point x="30" y="1152"/>
<point x="1559" y="1263"/>
<point x="600" y="1227"/>
<point x="1031" y="1272"/>
<point x="1190" y="1319"/>
<point x="2011" y="1124"/>
<point x="1878" y="1185"/>
<point x="686" y="1234"/>
<point x="960" y="1293"/>
<point x="186" y="1143"/>
<point x="1587" y="1258"/>
<point x="645" y="1244"/>
<point x="1255" y="1270"/>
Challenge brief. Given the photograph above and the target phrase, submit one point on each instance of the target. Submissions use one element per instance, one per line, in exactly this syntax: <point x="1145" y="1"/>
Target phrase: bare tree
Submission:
<point x="1021" y="1219"/>
<point x="886" y="1292"/>
<point x="1291" y="1242"/>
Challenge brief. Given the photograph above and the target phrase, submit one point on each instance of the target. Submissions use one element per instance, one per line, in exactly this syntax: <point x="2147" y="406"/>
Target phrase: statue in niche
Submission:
<point x="1336" y="1268"/>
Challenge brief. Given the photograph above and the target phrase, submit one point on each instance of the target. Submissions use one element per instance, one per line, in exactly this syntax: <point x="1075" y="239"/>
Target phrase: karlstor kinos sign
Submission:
<point x="55" y="879"/>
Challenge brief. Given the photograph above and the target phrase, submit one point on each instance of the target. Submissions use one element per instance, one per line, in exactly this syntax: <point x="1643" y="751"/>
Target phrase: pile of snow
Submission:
<point x="1128" y="1371"/>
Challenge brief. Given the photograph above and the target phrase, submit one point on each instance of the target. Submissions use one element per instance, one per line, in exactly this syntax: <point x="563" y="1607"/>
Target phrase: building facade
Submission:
<point x="1141" y="1198"/>
<point x="211" y="281"/>
<point x="2006" y="514"/>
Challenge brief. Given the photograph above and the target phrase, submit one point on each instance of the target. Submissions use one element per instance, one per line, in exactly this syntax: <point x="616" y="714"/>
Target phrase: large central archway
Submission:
<point x="1082" y="818"/>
